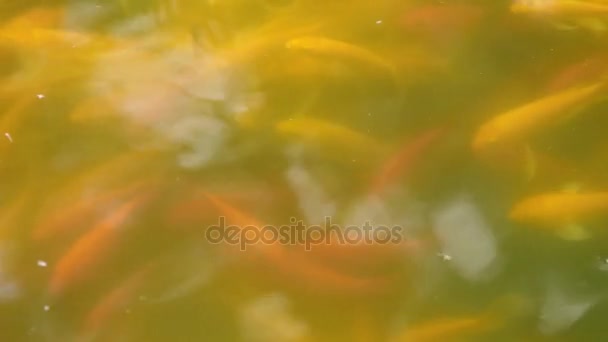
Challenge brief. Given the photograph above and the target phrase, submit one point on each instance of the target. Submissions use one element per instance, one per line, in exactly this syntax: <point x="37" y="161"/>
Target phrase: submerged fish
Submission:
<point x="47" y="17"/>
<point x="445" y="23"/>
<point x="444" y="329"/>
<point x="115" y="301"/>
<point x="565" y="211"/>
<point x="340" y="50"/>
<point x="567" y="14"/>
<point x="82" y="258"/>
<point x="561" y="7"/>
<point x="295" y="266"/>
<point x="400" y="164"/>
<point x="520" y="123"/>
<point x="468" y="327"/>
<point x="67" y="217"/>
<point x="330" y="137"/>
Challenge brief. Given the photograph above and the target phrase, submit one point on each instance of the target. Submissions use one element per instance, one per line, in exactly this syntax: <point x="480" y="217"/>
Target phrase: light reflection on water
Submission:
<point x="129" y="128"/>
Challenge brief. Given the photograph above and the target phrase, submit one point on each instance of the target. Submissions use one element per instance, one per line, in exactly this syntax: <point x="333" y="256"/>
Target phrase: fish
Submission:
<point x="317" y="277"/>
<point x="443" y="23"/>
<point x="444" y="329"/>
<point x="534" y="168"/>
<point x="98" y="188"/>
<point x="339" y="50"/>
<point x="586" y="70"/>
<point x="331" y="137"/>
<point x="466" y="327"/>
<point x="567" y="14"/>
<point x="192" y="207"/>
<point x="115" y="301"/>
<point x="235" y="216"/>
<point x="518" y="124"/>
<point x="79" y="263"/>
<point x="401" y="163"/>
<point x="58" y="221"/>
<point x="565" y="211"/>
<point x="560" y="7"/>
<point x="47" y="17"/>
<point x="295" y="268"/>
<point x="363" y="257"/>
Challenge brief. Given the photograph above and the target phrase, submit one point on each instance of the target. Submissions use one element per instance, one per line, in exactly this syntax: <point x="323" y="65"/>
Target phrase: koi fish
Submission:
<point x="364" y="256"/>
<point x="93" y="190"/>
<point x="568" y="14"/>
<point x="442" y="22"/>
<point x="560" y="7"/>
<point x="236" y="217"/>
<point x="444" y="329"/>
<point x="306" y="274"/>
<point x="517" y="124"/>
<point x="80" y="261"/>
<point x="562" y="210"/>
<point x="60" y="220"/>
<point x="193" y="207"/>
<point x="400" y="164"/>
<point x="299" y="269"/>
<point x="585" y="71"/>
<point x="330" y="136"/>
<point x="48" y="17"/>
<point x="115" y="300"/>
<point x="467" y="326"/>
<point x="327" y="47"/>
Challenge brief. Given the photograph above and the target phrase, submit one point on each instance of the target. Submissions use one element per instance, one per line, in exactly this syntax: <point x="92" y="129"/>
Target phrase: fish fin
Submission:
<point x="574" y="232"/>
<point x="531" y="165"/>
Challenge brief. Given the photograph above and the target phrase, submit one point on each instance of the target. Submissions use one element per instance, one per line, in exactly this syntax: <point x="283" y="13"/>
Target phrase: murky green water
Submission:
<point x="303" y="171"/>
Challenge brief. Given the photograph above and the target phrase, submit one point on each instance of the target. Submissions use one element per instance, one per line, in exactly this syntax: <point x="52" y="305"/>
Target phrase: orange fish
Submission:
<point x="299" y="269"/>
<point x="366" y="256"/>
<point x="73" y="215"/>
<point x="400" y="164"/>
<point x="192" y="206"/>
<point x="316" y="277"/>
<point x="115" y="300"/>
<point x="586" y="70"/>
<point x="83" y="257"/>
<point x="441" y="22"/>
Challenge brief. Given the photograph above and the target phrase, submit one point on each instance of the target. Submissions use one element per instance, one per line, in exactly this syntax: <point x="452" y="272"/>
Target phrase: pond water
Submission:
<point x="293" y="170"/>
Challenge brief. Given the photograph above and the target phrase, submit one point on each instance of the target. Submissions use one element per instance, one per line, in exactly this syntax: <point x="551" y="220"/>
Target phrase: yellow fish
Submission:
<point x="445" y="328"/>
<point x="471" y="326"/>
<point x="521" y="122"/>
<point x="330" y="136"/>
<point x="562" y="209"/>
<point x="48" y="17"/>
<point x="340" y="50"/>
